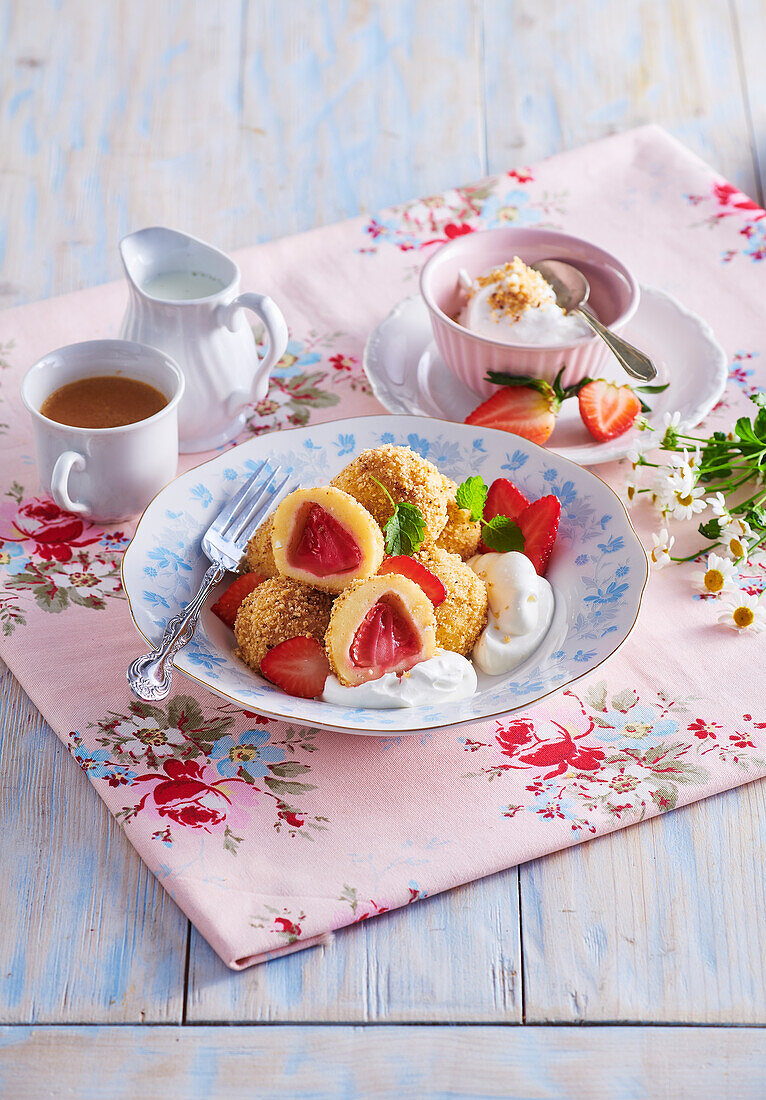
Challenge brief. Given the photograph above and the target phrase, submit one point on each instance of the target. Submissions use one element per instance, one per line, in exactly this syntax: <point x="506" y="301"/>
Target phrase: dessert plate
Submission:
<point x="408" y="375"/>
<point x="598" y="569"/>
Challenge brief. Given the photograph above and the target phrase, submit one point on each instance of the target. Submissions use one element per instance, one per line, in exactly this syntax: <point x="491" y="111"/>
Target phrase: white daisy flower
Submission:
<point x="717" y="503"/>
<point x="742" y="611"/>
<point x="631" y="494"/>
<point x="685" y="460"/>
<point x="659" y="555"/>
<point x="673" y="420"/>
<point x="719" y="575"/>
<point x="736" y="536"/>
<point x="674" y="426"/>
<point x="635" y="455"/>
<point x="666" y="483"/>
<point x="687" y="502"/>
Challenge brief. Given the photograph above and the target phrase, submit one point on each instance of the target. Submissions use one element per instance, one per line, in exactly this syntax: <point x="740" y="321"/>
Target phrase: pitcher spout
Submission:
<point x="157" y="250"/>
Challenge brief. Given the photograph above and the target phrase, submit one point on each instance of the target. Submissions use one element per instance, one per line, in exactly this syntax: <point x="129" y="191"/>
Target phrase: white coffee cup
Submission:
<point x="106" y="474"/>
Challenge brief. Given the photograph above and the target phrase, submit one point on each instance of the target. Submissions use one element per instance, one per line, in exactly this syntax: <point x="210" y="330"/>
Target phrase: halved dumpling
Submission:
<point x="326" y="538"/>
<point x="383" y="624"/>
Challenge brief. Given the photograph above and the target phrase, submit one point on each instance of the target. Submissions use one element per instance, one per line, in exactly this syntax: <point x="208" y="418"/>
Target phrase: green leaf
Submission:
<point x="650" y="389"/>
<point x="624" y="700"/>
<point x="87" y="599"/>
<point x="279" y="786"/>
<point x="405" y="529"/>
<point x="500" y="378"/>
<point x="148" y="710"/>
<point x="59" y="601"/>
<point x="665" y="798"/>
<point x="595" y="695"/>
<point x="185" y="712"/>
<point x="711" y="529"/>
<point x="288" y="768"/>
<point x="502" y="534"/>
<point x="471" y="495"/>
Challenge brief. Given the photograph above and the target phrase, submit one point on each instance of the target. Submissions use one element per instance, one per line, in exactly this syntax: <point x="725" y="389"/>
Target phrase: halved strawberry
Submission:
<point x="384" y="638"/>
<point x="503" y="499"/>
<point x="417" y="572"/>
<point x="608" y="410"/>
<point x="299" y="666"/>
<point x="324" y="545"/>
<point x="227" y="604"/>
<point x="539" y="524"/>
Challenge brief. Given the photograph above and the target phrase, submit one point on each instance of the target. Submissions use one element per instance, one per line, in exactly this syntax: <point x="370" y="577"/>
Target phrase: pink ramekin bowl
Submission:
<point x="614" y="295"/>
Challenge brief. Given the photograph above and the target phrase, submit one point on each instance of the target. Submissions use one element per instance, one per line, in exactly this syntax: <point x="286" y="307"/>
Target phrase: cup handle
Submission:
<point x="65" y="463"/>
<point x="276" y="332"/>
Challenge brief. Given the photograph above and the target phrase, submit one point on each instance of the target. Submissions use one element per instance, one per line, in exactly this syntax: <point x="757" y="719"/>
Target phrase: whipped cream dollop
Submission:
<point x="514" y="304"/>
<point x="444" y="678"/>
<point x="520" y="611"/>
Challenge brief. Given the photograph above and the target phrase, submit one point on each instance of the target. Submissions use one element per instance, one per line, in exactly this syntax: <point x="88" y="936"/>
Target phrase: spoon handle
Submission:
<point x="633" y="361"/>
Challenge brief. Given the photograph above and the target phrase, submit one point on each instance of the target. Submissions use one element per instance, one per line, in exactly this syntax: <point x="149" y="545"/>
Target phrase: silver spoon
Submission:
<point x="572" y="289"/>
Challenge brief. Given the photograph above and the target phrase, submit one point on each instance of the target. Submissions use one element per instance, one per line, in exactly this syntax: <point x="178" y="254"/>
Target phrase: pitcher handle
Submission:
<point x="276" y="333"/>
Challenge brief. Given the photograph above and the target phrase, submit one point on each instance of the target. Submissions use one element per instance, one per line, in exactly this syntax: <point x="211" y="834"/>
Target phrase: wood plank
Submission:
<point x="236" y="122"/>
<point x="88" y="933"/>
<point x="542" y="1063"/>
<point x="750" y="29"/>
<point x="565" y="74"/>
<point x="454" y="957"/>
<point x="660" y="922"/>
<point x="353" y="106"/>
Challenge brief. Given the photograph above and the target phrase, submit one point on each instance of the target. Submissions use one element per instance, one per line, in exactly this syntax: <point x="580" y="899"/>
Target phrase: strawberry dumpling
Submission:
<point x="383" y="624"/>
<point x="277" y="610"/>
<point x="324" y="537"/>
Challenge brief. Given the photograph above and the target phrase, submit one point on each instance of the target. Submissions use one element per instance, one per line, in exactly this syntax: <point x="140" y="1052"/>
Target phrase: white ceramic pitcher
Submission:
<point x="185" y="300"/>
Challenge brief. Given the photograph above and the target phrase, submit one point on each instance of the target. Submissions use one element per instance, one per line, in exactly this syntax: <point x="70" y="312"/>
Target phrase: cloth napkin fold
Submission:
<point x="270" y="835"/>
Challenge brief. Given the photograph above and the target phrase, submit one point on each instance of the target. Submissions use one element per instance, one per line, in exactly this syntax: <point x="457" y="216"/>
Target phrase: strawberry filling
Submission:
<point x="324" y="547"/>
<point x="385" y="639"/>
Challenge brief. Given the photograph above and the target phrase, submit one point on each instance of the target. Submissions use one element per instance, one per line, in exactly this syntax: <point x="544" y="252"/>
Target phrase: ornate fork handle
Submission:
<point x="150" y="676"/>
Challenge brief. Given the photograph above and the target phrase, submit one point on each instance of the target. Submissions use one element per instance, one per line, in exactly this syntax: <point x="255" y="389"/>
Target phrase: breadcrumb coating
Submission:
<point x="460" y="534"/>
<point x="350" y="609"/>
<point x="260" y="556"/>
<point x="462" y="616"/>
<point x="406" y="475"/>
<point x="276" y="610"/>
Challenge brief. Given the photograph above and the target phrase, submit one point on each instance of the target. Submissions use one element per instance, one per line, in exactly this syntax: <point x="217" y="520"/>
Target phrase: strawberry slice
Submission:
<point x="324" y="546"/>
<point x="503" y="499"/>
<point x="539" y="524"/>
<point x="227" y="604"/>
<point x="417" y="572"/>
<point x="384" y="639"/>
<point x="299" y="666"/>
<point x="608" y="410"/>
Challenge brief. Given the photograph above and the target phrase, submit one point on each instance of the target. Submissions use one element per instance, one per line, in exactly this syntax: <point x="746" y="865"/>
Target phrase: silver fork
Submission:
<point x="224" y="543"/>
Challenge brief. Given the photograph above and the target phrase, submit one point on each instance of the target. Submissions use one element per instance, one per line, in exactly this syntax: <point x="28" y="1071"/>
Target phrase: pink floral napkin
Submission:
<point x="269" y="835"/>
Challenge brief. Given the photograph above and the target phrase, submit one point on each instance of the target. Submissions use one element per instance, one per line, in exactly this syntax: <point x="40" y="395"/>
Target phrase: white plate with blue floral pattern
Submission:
<point x="598" y="568"/>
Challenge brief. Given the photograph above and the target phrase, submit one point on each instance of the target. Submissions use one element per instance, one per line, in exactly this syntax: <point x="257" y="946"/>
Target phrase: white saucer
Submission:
<point x="409" y="376"/>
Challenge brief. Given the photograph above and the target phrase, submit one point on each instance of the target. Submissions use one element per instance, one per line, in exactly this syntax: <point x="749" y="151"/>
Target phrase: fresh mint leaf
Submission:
<point x="471" y="495"/>
<point x="502" y="534"/>
<point x="405" y="529"/>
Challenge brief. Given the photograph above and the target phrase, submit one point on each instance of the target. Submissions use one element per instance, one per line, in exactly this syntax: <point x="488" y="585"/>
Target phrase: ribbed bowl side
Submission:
<point x="470" y="358"/>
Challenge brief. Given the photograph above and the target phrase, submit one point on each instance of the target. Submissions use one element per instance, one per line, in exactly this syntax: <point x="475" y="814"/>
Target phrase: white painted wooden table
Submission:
<point x="244" y="120"/>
